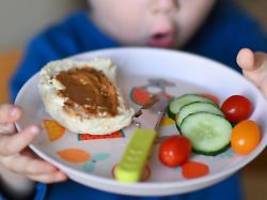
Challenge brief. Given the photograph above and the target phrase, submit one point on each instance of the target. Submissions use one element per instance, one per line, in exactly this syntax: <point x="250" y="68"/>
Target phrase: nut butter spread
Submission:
<point x="89" y="90"/>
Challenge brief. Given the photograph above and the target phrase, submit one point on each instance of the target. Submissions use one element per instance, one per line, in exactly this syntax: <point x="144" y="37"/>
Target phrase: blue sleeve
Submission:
<point x="54" y="43"/>
<point x="241" y="31"/>
<point x="35" y="56"/>
<point x="228" y="29"/>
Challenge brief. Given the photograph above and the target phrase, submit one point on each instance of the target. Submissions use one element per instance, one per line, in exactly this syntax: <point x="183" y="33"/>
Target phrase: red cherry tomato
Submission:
<point x="237" y="108"/>
<point x="175" y="151"/>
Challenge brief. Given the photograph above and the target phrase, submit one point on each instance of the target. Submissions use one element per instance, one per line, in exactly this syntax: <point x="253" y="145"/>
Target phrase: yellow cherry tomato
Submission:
<point x="245" y="137"/>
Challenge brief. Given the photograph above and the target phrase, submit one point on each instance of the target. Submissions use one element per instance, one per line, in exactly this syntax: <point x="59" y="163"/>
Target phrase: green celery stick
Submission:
<point x="130" y="168"/>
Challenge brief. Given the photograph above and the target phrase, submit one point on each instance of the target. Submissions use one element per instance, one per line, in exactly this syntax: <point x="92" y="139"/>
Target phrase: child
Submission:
<point x="216" y="29"/>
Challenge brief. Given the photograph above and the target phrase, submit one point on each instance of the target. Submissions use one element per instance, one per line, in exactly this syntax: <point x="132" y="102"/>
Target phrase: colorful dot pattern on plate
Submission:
<point x="166" y="121"/>
<point x="91" y="164"/>
<point x="87" y="136"/>
<point x="74" y="155"/>
<point x="54" y="130"/>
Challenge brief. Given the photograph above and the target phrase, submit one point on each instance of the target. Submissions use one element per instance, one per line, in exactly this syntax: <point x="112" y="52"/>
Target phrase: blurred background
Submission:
<point x="20" y="20"/>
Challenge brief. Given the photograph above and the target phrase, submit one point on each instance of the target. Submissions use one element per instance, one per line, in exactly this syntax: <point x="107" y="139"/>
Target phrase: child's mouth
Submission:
<point x="163" y="40"/>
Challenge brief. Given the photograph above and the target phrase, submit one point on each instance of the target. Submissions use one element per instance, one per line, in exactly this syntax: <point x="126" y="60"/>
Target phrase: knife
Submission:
<point x="131" y="166"/>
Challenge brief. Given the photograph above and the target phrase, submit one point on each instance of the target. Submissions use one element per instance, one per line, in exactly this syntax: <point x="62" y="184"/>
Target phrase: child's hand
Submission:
<point x="14" y="154"/>
<point x="254" y="66"/>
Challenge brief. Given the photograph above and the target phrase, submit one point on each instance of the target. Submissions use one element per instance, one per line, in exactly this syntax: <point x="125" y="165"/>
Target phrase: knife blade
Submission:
<point x="131" y="166"/>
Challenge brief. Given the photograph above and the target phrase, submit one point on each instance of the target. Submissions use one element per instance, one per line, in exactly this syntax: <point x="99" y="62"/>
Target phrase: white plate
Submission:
<point x="90" y="162"/>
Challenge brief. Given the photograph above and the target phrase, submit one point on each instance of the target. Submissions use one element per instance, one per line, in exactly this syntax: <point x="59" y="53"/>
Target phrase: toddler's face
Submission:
<point x="159" y="23"/>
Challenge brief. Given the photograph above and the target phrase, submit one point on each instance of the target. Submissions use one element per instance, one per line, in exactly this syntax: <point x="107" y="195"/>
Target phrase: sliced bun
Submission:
<point x="75" y="117"/>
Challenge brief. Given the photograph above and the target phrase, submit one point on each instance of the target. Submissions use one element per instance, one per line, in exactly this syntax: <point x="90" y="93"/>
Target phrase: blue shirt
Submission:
<point x="226" y="30"/>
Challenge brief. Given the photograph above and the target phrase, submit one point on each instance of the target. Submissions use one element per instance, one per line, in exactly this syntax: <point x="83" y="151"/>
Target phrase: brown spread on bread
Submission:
<point x="89" y="90"/>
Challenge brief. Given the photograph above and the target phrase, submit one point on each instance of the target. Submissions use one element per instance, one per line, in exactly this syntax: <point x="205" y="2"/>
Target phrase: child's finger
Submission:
<point x="264" y="86"/>
<point x="246" y="59"/>
<point x="250" y="61"/>
<point x="9" y="113"/>
<point x="35" y="165"/>
<point x="49" y="178"/>
<point x="27" y="165"/>
<point x="12" y="144"/>
<point x="7" y="128"/>
<point x="254" y="65"/>
<point x="258" y="75"/>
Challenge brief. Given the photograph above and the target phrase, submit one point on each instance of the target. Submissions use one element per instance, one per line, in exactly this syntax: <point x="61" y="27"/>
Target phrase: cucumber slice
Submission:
<point x="209" y="133"/>
<point x="177" y="103"/>
<point x="196" y="107"/>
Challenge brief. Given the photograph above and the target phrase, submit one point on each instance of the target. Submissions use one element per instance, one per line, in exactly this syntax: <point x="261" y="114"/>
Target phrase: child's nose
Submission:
<point x="164" y="6"/>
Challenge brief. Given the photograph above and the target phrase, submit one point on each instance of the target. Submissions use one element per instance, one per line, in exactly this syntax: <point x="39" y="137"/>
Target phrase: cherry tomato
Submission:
<point x="194" y="169"/>
<point x="237" y="108"/>
<point x="245" y="137"/>
<point x="175" y="151"/>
